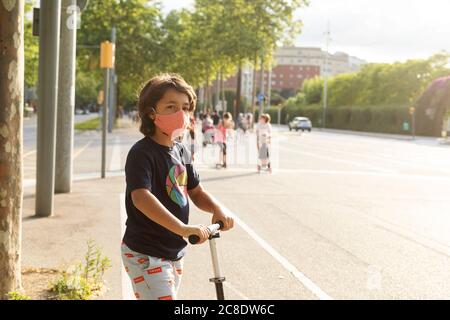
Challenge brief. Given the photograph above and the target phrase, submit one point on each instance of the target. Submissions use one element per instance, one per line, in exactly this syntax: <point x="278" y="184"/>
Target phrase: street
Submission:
<point x="342" y="216"/>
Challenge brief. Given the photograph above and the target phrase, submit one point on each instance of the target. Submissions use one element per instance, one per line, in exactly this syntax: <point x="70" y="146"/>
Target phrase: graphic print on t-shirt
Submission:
<point x="176" y="184"/>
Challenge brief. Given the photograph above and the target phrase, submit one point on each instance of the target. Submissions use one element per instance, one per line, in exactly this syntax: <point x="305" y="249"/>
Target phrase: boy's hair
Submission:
<point x="154" y="90"/>
<point x="266" y="117"/>
<point x="227" y="116"/>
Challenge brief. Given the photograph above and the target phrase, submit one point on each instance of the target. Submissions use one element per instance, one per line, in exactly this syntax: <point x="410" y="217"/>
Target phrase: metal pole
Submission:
<point x="66" y="97"/>
<point x="269" y="86"/>
<point x="112" y="88"/>
<point x="261" y="103"/>
<point x="48" y="87"/>
<point x="105" y="122"/>
<point x="414" y="125"/>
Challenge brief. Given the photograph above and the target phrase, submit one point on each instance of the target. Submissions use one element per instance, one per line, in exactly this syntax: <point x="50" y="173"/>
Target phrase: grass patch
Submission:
<point x="15" y="295"/>
<point x="92" y="124"/>
<point x="83" y="280"/>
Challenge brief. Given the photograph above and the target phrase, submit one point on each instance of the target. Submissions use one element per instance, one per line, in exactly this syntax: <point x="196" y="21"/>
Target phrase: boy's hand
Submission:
<point x="199" y="230"/>
<point x="219" y="215"/>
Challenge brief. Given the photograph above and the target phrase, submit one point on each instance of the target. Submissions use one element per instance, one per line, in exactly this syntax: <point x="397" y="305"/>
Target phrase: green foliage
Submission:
<point x="376" y="99"/>
<point x="15" y="295"/>
<point x="31" y="49"/>
<point x="87" y="88"/>
<point x="312" y="90"/>
<point x="377" y="118"/>
<point x="82" y="281"/>
<point x="379" y="84"/>
<point x="138" y="41"/>
<point x="216" y="36"/>
<point x="92" y="124"/>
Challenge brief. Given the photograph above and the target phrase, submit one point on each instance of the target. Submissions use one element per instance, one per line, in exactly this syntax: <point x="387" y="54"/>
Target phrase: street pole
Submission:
<point x="107" y="64"/>
<point x="269" y="89"/>
<point x="261" y="103"/>
<point x="49" y="25"/>
<point x="325" y="87"/>
<point x="66" y="97"/>
<point x="412" y="111"/>
<point x="104" y="121"/>
<point x="112" y="88"/>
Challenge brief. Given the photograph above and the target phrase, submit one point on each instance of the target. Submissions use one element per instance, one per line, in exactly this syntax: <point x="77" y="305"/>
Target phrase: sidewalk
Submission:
<point x="90" y="212"/>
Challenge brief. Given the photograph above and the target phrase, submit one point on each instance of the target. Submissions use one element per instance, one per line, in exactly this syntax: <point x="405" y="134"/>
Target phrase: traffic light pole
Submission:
<point x="105" y="121"/>
<point x="112" y="89"/>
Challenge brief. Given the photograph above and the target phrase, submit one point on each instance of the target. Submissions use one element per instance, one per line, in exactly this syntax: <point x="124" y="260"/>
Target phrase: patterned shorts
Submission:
<point x="152" y="278"/>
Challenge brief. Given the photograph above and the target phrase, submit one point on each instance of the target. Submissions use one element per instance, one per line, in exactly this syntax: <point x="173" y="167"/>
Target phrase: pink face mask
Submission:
<point x="172" y="124"/>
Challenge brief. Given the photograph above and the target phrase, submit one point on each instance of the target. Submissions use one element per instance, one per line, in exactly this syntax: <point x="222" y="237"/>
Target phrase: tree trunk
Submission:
<point x="11" y="110"/>
<point x="208" y="107"/>
<point x="222" y="92"/>
<point x="217" y="98"/>
<point x="237" y="105"/>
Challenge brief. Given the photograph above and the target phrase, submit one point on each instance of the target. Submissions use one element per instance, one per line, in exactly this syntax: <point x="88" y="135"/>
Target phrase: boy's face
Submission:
<point x="172" y="101"/>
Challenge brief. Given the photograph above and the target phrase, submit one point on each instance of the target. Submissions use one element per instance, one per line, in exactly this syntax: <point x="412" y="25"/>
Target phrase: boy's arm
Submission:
<point x="149" y="205"/>
<point x="204" y="201"/>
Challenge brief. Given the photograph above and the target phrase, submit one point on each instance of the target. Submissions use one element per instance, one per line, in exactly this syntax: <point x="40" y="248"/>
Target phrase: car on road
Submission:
<point x="300" y="123"/>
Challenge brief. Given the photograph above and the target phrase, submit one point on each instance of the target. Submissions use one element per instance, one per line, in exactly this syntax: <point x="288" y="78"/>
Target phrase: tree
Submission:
<point x="138" y="46"/>
<point x="11" y="102"/>
<point x="31" y="50"/>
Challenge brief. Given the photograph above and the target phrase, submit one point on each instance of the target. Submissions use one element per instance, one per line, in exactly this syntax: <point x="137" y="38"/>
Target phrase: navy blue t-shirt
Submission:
<point x="168" y="174"/>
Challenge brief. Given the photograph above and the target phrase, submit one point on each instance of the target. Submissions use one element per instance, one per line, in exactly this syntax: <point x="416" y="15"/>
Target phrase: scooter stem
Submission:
<point x="218" y="279"/>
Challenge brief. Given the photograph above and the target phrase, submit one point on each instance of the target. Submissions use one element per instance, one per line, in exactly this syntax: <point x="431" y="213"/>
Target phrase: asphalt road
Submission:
<point x="342" y="217"/>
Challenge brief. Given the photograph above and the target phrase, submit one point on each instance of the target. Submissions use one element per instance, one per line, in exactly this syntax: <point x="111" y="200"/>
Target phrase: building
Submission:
<point x="293" y="65"/>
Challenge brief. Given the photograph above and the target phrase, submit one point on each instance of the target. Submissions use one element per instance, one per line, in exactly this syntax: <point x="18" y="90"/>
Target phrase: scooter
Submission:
<point x="214" y="234"/>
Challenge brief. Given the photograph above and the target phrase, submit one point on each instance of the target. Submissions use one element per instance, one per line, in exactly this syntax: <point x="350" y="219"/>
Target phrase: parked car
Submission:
<point x="300" y="123"/>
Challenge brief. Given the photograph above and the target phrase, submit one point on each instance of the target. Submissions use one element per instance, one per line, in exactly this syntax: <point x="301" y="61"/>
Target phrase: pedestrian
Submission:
<point x="263" y="138"/>
<point x="225" y="124"/>
<point x="159" y="180"/>
<point x="215" y="118"/>
<point x="249" y="118"/>
<point x="191" y="129"/>
<point x="207" y="130"/>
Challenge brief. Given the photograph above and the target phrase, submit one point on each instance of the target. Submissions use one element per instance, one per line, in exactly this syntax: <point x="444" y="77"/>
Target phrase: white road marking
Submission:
<point x="282" y="260"/>
<point x="29" y="153"/>
<point x="127" y="288"/>
<point x="353" y="163"/>
<point x="232" y="288"/>
<point x="79" y="151"/>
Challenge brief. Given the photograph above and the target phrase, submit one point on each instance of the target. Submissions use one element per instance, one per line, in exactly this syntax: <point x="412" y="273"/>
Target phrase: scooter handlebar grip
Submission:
<point x="194" y="239"/>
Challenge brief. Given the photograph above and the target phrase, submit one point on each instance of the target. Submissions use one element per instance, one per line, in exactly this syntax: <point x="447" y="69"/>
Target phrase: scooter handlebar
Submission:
<point x="213" y="228"/>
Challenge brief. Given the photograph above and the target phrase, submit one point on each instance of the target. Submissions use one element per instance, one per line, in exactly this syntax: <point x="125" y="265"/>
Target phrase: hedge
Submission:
<point x="381" y="119"/>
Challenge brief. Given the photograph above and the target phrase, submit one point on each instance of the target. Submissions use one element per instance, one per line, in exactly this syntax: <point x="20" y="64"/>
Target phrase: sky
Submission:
<point x="373" y="30"/>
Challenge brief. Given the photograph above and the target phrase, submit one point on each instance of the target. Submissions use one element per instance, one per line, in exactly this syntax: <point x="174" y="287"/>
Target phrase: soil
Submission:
<point x="36" y="283"/>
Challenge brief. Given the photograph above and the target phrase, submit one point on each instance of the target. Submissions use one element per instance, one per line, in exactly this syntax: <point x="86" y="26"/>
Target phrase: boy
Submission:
<point x="160" y="178"/>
